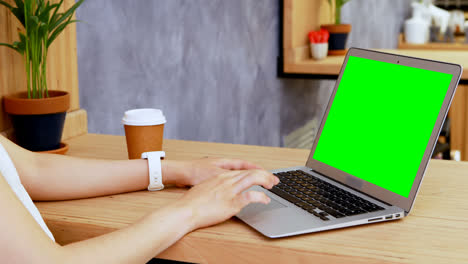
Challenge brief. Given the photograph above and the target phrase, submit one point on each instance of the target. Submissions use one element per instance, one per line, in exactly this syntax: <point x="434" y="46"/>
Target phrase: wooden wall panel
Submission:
<point x="300" y="17"/>
<point x="458" y="114"/>
<point x="62" y="69"/>
<point x="76" y="124"/>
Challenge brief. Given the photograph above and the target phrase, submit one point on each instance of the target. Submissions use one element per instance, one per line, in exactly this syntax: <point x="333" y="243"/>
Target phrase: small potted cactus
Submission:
<point x="319" y="43"/>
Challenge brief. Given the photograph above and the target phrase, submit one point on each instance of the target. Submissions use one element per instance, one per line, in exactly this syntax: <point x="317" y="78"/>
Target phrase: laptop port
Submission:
<point x="397" y="215"/>
<point x="388" y="217"/>
<point x="374" y="219"/>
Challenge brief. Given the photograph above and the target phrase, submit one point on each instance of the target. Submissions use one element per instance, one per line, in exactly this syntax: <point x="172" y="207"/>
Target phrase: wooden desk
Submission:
<point x="436" y="230"/>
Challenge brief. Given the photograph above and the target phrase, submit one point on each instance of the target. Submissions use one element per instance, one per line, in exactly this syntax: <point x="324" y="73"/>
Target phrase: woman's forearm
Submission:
<point x="58" y="177"/>
<point x="23" y="240"/>
<point x="135" y="244"/>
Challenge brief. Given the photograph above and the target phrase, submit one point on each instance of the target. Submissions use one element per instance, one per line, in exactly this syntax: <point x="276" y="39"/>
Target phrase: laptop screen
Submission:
<point x="380" y="122"/>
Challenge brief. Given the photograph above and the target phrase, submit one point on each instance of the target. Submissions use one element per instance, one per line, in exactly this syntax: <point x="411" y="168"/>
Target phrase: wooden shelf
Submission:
<point x="301" y="16"/>
<point x="332" y="64"/>
<point x="328" y="66"/>
<point x="459" y="45"/>
<point x="435" y="46"/>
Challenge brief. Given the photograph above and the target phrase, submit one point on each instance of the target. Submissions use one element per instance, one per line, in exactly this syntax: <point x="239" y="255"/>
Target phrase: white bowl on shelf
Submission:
<point x="319" y="50"/>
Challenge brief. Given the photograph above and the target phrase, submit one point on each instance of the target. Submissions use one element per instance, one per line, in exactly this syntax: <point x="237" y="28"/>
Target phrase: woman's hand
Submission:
<point x="193" y="172"/>
<point x="223" y="196"/>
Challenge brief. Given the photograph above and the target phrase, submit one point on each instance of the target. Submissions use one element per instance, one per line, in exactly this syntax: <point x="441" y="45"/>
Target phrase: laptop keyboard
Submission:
<point x="319" y="197"/>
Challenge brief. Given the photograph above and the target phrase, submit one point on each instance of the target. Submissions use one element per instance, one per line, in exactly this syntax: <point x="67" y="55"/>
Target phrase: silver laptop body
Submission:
<point x="287" y="216"/>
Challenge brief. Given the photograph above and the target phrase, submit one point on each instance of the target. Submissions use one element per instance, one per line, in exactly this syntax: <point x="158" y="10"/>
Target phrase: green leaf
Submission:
<point x="340" y="3"/>
<point x="17" y="11"/>
<point x="27" y="6"/>
<point x="9" y="46"/>
<point x="54" y="16"/>
<point x="7" y="5"/>
<point x="68" y="14"/>
<point x="35" y="19"/>
<point x="17" y="46"/>
<point x="20" y="46"/>
<point x="19" y="14"/>
<point x="40" y="6"/>
<point x="19" y="3"/>
<point x="23" y="37"/>
<point x="58" y="30"/>
<point x="45" y="14"/>
<point x="42" y="30"/>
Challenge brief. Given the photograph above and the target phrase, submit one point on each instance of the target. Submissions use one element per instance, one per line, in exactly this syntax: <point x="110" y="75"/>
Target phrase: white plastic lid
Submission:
<point x="143" y="117"/>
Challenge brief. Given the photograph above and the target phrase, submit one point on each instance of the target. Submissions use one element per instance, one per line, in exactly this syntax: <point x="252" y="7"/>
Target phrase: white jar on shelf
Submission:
<point x="319" y="50"/>
<point x="417" y="27"/>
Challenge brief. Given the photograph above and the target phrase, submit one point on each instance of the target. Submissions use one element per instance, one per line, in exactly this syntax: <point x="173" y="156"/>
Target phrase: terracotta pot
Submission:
<point x="338" y="36"/>
<point x="38" y="123"/>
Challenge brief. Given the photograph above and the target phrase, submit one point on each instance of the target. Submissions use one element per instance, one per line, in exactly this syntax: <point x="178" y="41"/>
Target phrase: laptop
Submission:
<point x="371" y="150"/>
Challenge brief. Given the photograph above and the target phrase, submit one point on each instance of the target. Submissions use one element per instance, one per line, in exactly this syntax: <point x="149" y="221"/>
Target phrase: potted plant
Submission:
<point x="319" y="43"/>
<point x="338" y="32"/>
<point x="38" y="114"/>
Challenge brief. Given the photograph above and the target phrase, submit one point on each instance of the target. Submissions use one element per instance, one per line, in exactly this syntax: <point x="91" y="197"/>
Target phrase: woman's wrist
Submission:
<point x="182" y="213"/>
<point x="173" y="172"/>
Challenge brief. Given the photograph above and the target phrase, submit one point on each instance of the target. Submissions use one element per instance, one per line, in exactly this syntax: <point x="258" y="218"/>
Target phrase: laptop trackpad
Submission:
<point x="259" y="207"/>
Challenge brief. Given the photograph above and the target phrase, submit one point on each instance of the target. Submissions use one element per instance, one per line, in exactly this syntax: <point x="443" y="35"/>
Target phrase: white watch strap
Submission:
<point x="154" y="167"/>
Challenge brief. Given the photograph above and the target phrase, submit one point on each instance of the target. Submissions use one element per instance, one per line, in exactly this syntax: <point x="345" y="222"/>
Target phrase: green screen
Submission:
<point x="380" y="122"/>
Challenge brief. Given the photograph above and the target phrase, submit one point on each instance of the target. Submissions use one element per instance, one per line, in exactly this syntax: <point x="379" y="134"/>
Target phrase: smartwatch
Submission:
<point x="154" y="167"/>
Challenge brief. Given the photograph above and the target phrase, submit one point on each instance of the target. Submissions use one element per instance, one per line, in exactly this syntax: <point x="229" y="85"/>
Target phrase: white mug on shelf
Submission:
<point x="416" y="31"/>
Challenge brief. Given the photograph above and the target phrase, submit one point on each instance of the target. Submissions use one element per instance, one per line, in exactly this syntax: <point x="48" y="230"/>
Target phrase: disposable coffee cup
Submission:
<point x="144" y="129"/>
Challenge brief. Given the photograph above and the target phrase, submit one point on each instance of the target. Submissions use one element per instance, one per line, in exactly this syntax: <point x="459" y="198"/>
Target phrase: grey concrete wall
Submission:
<point x="375" y="23"/>
<point x="210" y="65"/>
